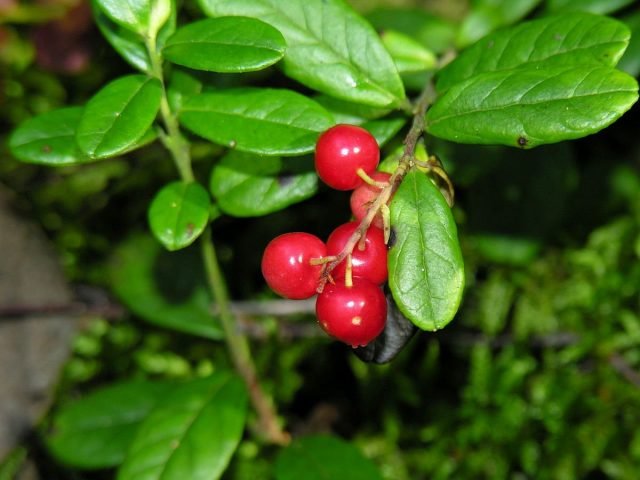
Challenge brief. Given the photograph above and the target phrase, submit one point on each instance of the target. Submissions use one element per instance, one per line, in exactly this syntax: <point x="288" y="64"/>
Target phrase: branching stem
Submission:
<point x="236" y="340"/>
<point x="405" y="163"/>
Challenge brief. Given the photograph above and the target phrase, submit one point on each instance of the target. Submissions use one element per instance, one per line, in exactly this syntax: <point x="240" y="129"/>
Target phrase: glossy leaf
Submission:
<point x="408" y="55"/>
<point x="527" y="107"/>
<point x="330" y="48"/>
<point x="167" y="289"/>
<point x="384" y="129"/>
<point x="226" y="44"/>
<point x="179" y="213"/>
<point x="324" y="458"/>
<point x="257" y="120"/>
<point x="128" y="44"/>
<point x="182" y="85"/>
<point x="426" y="272"/>
<point x="349" y="112"/>
<point x="433" y="32"/>
<point x="594" y="6"/>
<point x="130" y="14"/>
<point x="118" y="116"/>
<point x="192" y="433"/>
<point x="246" y="185"/>
<point x="487" y="15"/>
<point x="49" y="138"/>
<point x="96" y="431"/>
<point x="575" y="39"/>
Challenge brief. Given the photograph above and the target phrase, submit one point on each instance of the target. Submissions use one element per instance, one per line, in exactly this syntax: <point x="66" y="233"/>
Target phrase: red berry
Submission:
<point x="286" y="267"/>
<point x="370" y="263"/>
<point x="354" y="315"/>
<point x="341" y="151"/>
<point x="363" y="196"/>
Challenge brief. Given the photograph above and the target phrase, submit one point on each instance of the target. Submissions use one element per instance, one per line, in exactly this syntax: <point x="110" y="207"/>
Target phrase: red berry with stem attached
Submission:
<point x="354" y="315"/>
<point x="286" y="264"/>
<point x="341" y="151"/>
<point x="363" y="196"/>
<point x="370" y="263"/>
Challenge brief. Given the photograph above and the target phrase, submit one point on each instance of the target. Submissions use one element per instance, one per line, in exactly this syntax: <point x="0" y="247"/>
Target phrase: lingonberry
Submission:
<point x="363" y="196"/>
<point x="354" y="315"/>
<point x="286" y="264"/>
<point x="341" y="151"/>
<point x="370" y="263"/>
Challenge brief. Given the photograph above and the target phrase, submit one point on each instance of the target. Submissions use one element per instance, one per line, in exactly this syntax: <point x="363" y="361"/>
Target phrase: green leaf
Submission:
<point x="426" y="272"/>
<point x="324" y="458"/>
<point x="247" y="185"/>
<point x="434" y="33"/>
<point x="526" y="107"/>
<point x="384" y="129"/>
<point x="257" y="120"/>
<point x="594" y="6"/>
<point x="630" y="61"/>
<point x="563" y="40"/>
<point x="226" y="44"/>
<point x="191" y="434"/>
<point x="168" y="289"/>
<point x="118" y="115"/>
<point x="330" y="48"/>
<point x="182" y="85"/>
<point x="96" y="431"/>
<point x="179" y="213"/>
<point x="131" y="14"/>
<point x="487" y="15"/>
<point x="348" y="112"/>
<point x="128" y="44"/>
<point x="49" y="138"/>
<point x="408" y="55"/>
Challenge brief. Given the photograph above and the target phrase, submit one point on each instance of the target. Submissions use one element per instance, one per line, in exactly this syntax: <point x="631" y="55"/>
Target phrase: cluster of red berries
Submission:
<point x="351" y="306"/>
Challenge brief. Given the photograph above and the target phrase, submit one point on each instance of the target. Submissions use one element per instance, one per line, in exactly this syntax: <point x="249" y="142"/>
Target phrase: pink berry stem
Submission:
<point x="407" y="160"/>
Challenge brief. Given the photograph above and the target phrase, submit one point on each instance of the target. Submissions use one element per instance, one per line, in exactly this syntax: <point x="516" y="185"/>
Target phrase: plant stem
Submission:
<point x="237" y="343"/>
<point x="172" y="139"/>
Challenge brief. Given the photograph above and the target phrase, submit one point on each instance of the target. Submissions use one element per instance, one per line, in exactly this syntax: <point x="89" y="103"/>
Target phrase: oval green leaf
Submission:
<point x="182" y="85"/>
<point x="96" y="431"/>
<point x="118" y="115"/>
<point x="256" y="120"/>
<point x="324" y="458"/>
<point x="527" y="107"/>
<point x="179" y="213"/>
<point x="226" y="44"/>
<point x="128" y="44"/>
<point x="408" y="55"/>
<point x="433" y="32"/>
<point x="426" y="271"/>
<point x="168" y="289"/>
<point x="246" y="185"/>
<point x="330" y="48"/>
<point x="601" y="7"/>
<point x="563" y="40"/>
<point x="49" y="138"/>
<point x="487" y="15"/>
<point x="130" y="14"/>
<point x="191" y="434"/>
<point x="384" y="129"/>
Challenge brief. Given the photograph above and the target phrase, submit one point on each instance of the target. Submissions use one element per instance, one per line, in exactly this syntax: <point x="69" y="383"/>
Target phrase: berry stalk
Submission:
<point x="407" y="161"/>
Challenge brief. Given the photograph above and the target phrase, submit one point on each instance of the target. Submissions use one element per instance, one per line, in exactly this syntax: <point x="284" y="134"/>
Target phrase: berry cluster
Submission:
<point x="349" y="269"/>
